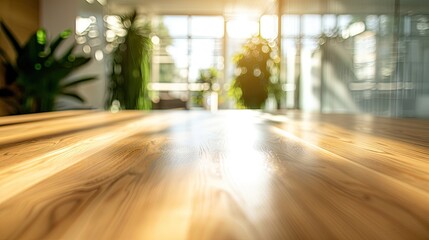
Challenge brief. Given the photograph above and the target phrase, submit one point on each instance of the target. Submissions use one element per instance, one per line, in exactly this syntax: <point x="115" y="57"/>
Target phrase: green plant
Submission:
<point x="131" y="64"/>
<point x="256" y="73"/>
<point x="38" y="76"/>
<point x="208" y="77"/>
<point x="8" y="91"/>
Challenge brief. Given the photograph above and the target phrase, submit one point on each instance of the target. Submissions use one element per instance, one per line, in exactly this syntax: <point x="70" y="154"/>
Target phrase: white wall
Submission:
<point x="58" y="15"/>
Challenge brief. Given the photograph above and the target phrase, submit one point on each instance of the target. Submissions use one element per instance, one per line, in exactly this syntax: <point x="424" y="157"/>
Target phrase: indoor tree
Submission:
<point x="256" y="73"/>
<point x="130" y="63"/>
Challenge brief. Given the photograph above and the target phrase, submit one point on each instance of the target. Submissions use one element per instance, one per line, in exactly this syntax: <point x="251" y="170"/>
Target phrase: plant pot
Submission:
<point x="211" y="101"/>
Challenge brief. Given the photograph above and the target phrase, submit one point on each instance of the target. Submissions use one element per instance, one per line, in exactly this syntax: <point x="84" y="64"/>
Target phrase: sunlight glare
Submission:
<point x="269" y="27"/>
<point x="82" y="24"/>
<point x="247" y="166"/>
<point x="242" y="27"/>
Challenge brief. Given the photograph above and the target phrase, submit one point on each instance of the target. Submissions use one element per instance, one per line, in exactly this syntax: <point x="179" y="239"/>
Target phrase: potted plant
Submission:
<point x="208" y="95"/>
<point x="130" y="64"/>
<point x="256" y="74"/>
<point x="38" y="75"/>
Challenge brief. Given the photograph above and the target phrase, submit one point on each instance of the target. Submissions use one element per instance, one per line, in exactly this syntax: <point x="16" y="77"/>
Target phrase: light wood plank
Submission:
<point x="17" y="119"/>
<point x="224" y="175"/>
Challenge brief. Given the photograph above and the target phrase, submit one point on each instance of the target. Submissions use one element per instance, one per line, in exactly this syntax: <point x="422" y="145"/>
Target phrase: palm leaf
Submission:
<point x="10" y="73"/>
<point x="77" y="81"/>
<point x="11" y="37"/>
<point x="67" y="54"/>
<point x="66" y="68"/>
<point x="130" y="87"/>
<point x="58" y="40"/>
<point x="79" y="61"/>
<point x="6" y="92"/>
<point x="31" y="52"/>
<point x="73" y="95"/>
<point x="4" y="56"/>
<point x="38" y="72"/>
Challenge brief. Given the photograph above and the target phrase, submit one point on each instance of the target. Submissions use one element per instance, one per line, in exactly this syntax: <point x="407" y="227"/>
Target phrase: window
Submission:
<point x="187" y="45"/>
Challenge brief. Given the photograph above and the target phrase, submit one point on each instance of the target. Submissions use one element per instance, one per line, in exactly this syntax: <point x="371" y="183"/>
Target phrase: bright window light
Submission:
<point x="356" y="28"/>
<point x="269" y="26"/>
<point x="82" y="24"/>
<point x="203" y="26"/>
<point x="291" y="25"/>
<point x="177" y="25"/>
<point x="99" y="55"/>
<point x="311" y="24"/>
<point x="201" y="56"/>
<point x="329" y="22"/>
<point x="242" y="28"/>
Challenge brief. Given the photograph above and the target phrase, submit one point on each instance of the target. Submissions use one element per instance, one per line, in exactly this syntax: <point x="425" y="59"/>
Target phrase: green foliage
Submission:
<point x="131" y="65"/>
<point x="207" y="77"/>
<point x="36" y="78"/>
<point x="256" y="73"/>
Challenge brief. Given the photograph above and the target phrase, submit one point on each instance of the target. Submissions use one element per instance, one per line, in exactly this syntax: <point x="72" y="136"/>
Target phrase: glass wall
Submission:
<point x="348" y="56"/>
<point x="368" y="57"/>
<point x="184" y="45"/>
<point x="413" y="64"/>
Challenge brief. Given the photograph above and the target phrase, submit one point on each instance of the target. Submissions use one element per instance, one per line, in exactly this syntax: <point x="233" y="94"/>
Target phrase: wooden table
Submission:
<point x="201" y="175"/>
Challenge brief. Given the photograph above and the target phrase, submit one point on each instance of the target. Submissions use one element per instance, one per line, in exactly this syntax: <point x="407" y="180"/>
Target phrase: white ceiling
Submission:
<point x="258" y="7"/>
<point x="198" y="7"/>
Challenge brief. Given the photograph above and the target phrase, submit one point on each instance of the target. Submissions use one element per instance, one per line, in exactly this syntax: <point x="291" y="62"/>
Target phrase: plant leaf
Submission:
<point x="63" y="69"/>
<point x="31" y="52"/>
<point x="11" y="73"/>
<point x="4" y="56"/>
<point x="78" y="81"/>
<point x="79" y="61"/>
<point x="58" y="40"/>
<point x="73" y="95"/>
<point x="66" y="55"/>
<point x="11" y="37"/>
<point x="6" y="92"/>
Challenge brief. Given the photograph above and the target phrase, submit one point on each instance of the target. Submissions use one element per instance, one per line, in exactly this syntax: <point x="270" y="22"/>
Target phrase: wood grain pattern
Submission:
<point x="201" y="175"/>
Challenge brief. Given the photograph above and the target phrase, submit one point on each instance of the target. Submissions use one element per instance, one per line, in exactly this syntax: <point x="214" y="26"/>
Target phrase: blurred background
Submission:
<point x="329" y="56"/>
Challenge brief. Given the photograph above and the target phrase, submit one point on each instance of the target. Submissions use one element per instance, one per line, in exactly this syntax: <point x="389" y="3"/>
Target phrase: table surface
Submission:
<point x="202" y="175"/>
